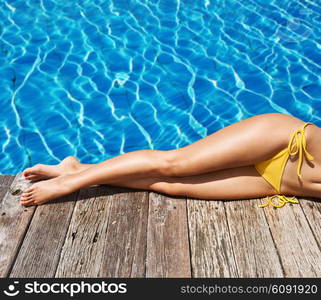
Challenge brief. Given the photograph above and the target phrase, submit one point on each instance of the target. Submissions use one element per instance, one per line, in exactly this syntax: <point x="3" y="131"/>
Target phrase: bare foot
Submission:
<point x="43" y="191"/>
<point x="68" y="166"/>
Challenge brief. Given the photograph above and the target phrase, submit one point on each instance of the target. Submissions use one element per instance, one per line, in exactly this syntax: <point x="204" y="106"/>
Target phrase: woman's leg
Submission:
<point x="237" y="183"/>
<point x="241" y="144"/>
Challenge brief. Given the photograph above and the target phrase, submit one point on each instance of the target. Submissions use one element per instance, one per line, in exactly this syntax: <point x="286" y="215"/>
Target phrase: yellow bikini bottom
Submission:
<point x="272" y="169"/>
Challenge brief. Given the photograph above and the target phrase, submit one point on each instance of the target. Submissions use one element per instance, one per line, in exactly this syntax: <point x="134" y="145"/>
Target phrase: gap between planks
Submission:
<point x="213" y="238"/>
<point x="14" y="222"/>
<point x="238" y="239"/>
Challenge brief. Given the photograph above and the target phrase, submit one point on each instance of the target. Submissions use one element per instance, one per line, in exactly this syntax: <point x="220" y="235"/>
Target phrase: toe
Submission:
<point x="26" y="172"/>
<point x="23" y="196"/>
<point x="27" y="203"/>
<point x="23" y="202"/>
<point x="32" y="177"/>
<point x="26" y="197"/>
<point x="26" y="194"/>
<point x="28" y="190"/>
<point x="35" y="169"/>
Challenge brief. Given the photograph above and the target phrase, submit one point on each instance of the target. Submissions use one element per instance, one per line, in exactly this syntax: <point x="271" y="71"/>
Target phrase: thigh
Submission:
<point x="236" y="183"/>
<point x="240" y="144"/>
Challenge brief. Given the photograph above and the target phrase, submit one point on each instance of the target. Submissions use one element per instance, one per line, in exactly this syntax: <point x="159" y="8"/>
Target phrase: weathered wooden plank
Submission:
<point x="312" y="210"/>
<point x="82" y="253"/>
<point x="5" y="183"/>
<point x="299" y="252"/>
<point x="45" y="236"/>
<point x="254" y="250"/>
<point x="168" y="252"/>
<point x="211" y="248"/>
<point x="2" y="186"/>
<point x="107" y="234"/>
<point x="14" y="221"/>
<point x="125" y="247"/>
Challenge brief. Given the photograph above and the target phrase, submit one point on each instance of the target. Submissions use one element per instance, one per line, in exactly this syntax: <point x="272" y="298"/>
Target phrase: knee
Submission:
<point x="171" y="164"/>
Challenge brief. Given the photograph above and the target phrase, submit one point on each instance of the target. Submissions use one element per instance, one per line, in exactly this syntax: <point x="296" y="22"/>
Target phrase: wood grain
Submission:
<point x="253" y="247"/>
<point x="107" y="235"/>
<point x="45" y="236"/>
<point x="5" y="183"/>
<point x="126" y="236"/>
<point x="82" y="252"/>
<point x="118" y="232"/>
<point x="299" y="252"/>
<point x="211" y="247"/>
<point x="14" y="221"/>
<point x="312" y="210"/>
<point x="168" y="252"/>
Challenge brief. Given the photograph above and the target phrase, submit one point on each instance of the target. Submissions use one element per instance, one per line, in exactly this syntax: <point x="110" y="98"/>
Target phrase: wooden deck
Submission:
<point x="104" y="231"/>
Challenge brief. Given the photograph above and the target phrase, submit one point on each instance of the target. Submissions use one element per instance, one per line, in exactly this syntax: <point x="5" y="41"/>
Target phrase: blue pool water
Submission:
<point x="97" y="78"/>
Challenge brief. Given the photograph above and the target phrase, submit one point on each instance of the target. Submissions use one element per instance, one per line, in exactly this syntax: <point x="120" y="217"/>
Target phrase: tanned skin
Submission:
<point x="219" y="166"/>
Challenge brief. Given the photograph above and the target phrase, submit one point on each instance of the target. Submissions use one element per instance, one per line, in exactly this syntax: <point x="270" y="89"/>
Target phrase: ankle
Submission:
<point x="69" y="183"/>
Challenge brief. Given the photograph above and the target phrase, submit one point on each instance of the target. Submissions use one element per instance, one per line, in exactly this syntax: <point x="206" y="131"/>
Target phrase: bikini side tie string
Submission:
<point x="299" y="147"/>
<point x="294" y="148"/>
<point x="282" y="201"/>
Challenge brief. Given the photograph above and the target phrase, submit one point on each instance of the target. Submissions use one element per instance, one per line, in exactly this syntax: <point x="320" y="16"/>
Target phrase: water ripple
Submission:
<point x="99" y="78"/>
